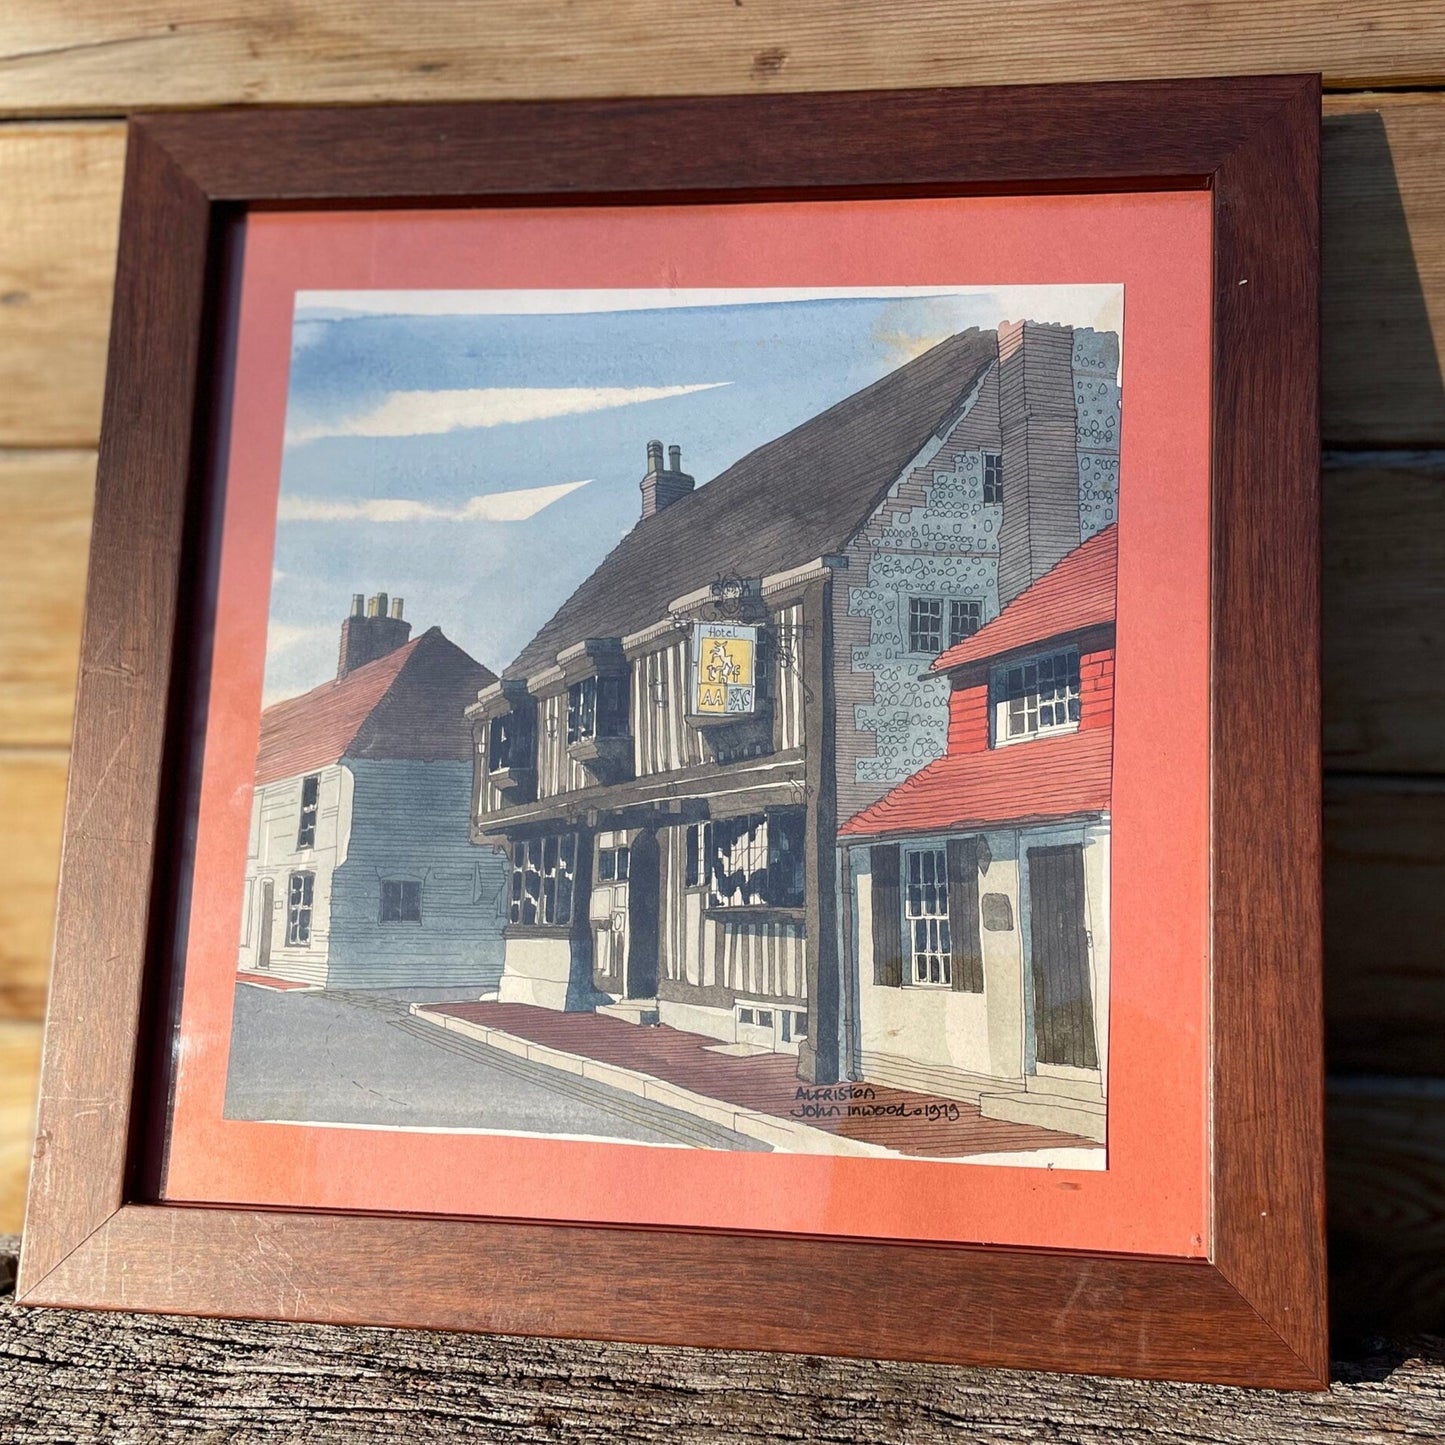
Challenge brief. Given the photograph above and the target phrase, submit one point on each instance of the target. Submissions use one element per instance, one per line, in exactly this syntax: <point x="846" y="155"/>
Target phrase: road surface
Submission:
<point x="360" y="1058"/>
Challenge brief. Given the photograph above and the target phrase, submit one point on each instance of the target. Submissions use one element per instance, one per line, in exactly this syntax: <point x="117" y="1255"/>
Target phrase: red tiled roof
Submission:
<point x="422" y="716"/>
<point x="1078" y="592"/>
<point x="1048" y="777"/>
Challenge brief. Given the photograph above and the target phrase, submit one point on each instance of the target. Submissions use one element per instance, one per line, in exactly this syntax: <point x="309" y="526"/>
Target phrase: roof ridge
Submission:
<point x="333" y="684"/>
<point x="804" y="491"/>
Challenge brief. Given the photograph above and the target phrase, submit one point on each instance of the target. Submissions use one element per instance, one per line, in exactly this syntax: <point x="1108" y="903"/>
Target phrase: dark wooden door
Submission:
<point x="644" y="894"/>
<point x="1063" y="1005"/>
<point x="265" y="908"/>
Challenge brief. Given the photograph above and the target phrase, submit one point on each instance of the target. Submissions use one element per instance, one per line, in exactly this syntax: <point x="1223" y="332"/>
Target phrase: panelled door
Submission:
<point x="611" y="877"/>
<point x="265" y="907"/>
<point x="1063" y="1003"/>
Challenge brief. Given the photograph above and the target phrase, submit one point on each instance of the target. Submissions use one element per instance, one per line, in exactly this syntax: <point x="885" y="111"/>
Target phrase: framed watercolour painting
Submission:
<point x="693" y="702"/>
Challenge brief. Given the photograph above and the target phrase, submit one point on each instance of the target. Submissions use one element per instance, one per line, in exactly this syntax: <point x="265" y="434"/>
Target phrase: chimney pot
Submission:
<point x="370" y="633"/>
<point x="662" y="486"/>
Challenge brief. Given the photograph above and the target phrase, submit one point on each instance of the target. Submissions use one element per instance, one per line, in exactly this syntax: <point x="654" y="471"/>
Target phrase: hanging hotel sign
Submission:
<point x="724" y="669"/>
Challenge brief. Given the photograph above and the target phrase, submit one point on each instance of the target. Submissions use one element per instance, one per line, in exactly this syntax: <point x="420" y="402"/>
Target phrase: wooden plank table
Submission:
<point x="136" y="1379"/>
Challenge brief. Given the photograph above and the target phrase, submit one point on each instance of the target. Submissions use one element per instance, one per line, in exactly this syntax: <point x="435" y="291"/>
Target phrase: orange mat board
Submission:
<point x="1153" y="1198"/>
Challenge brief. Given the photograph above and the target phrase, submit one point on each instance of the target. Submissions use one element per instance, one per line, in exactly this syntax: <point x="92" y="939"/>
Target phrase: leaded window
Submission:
<point x="597" y="708"/>
<point x="300" y="892"/>
<point x="925" y="625"/>
<point x="310" y="801"/>
<point x="993" y="476"/>
<point x="965" y="617"/>
<point x="544" y="872"/>
<point x="925" y="916"/>
<point x="757" y="860"/>
<point x="1037" y="695"/>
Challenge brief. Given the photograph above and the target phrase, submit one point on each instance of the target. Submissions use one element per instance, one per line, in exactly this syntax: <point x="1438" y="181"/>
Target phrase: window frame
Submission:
<point x="306" y="820"/>
<point x="993" y="478"/>
<point x="530" y="857"/>
<point x="299" y="909"/>
<point x="509" y="741"/>
<point x="1001" y="697"/>
<point x="402" y="884"/>
<point x="955" y="604"/>
<point x="620" y="855"/>
<point x="949" y="634"/>
<point x="783" y="890"/>
<point x="599" y="705"/>
<point x="919" y="599"/>
<point x="938" y="917"/>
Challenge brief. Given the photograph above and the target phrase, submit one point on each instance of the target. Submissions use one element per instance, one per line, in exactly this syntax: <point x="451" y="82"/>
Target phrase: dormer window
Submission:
<point x="506" y="760"/>
<point x="597" y="708"/>
<point x="598" y="721"/>
<point x="1035" y="696"/>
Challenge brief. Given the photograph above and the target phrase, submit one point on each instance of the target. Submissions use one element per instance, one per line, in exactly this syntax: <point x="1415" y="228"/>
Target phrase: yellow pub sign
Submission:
<point x="724" y="669"/>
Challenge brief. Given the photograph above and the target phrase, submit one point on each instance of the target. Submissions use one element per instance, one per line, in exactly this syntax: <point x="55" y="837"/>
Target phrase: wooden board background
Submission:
<point x="70" y="69"/>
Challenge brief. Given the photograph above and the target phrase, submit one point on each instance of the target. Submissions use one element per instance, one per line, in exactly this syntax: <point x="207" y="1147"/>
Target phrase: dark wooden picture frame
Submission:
<point x="1254" y="1312"/>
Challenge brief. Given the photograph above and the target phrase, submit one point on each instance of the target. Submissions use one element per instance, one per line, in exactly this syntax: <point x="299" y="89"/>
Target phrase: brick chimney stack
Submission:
<point x="369" y="632"/>
<point x="664" y="485"/>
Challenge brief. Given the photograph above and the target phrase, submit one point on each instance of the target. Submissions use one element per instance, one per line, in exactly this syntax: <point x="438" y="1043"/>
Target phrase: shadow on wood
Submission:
<point x="1373" y="297"/>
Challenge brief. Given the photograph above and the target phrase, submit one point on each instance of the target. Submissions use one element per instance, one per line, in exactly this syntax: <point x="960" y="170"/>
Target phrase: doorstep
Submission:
<point x="631" y="1010"/>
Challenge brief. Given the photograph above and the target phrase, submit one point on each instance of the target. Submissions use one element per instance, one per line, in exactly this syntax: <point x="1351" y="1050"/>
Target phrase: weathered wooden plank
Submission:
<point x="59" y="209"/>
<point x="1384" y="612"/>
<point x="1385" y="1154"/>
<point x="1384" y="272"/>
<point x="1385" y="926"/>
<point x="125" y="1379"/>
<point x="58" y="56"/>
<point x="32" y="796"/>
<point x="46" y="500"/>
<point x="19" y="1074"/>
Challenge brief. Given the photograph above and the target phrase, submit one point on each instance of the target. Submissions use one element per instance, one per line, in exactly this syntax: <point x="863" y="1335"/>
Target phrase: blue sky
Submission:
<point x="479" y="453"/>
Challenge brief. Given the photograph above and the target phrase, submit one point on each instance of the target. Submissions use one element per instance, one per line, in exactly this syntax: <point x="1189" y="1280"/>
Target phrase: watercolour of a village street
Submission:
<point x="689" y="722"/>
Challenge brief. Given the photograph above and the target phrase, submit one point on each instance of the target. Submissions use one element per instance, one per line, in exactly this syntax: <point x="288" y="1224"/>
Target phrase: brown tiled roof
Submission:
<point x="408" y="704"/>
<point x="793" y="499"/>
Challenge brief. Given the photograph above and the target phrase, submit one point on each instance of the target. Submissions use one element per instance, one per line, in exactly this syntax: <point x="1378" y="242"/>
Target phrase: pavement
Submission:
<point x="361" y="1058"/>
<point x="760" y="1095"/>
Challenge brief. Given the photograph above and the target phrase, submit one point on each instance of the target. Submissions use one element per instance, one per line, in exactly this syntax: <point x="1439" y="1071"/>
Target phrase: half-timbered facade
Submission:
<point x="667" y="763"/>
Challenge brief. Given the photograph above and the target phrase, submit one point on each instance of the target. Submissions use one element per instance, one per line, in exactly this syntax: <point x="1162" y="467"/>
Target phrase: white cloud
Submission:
<point x="281" y="636"/>
<point x="428" y="413"/>
<point x="515" y="506"/>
